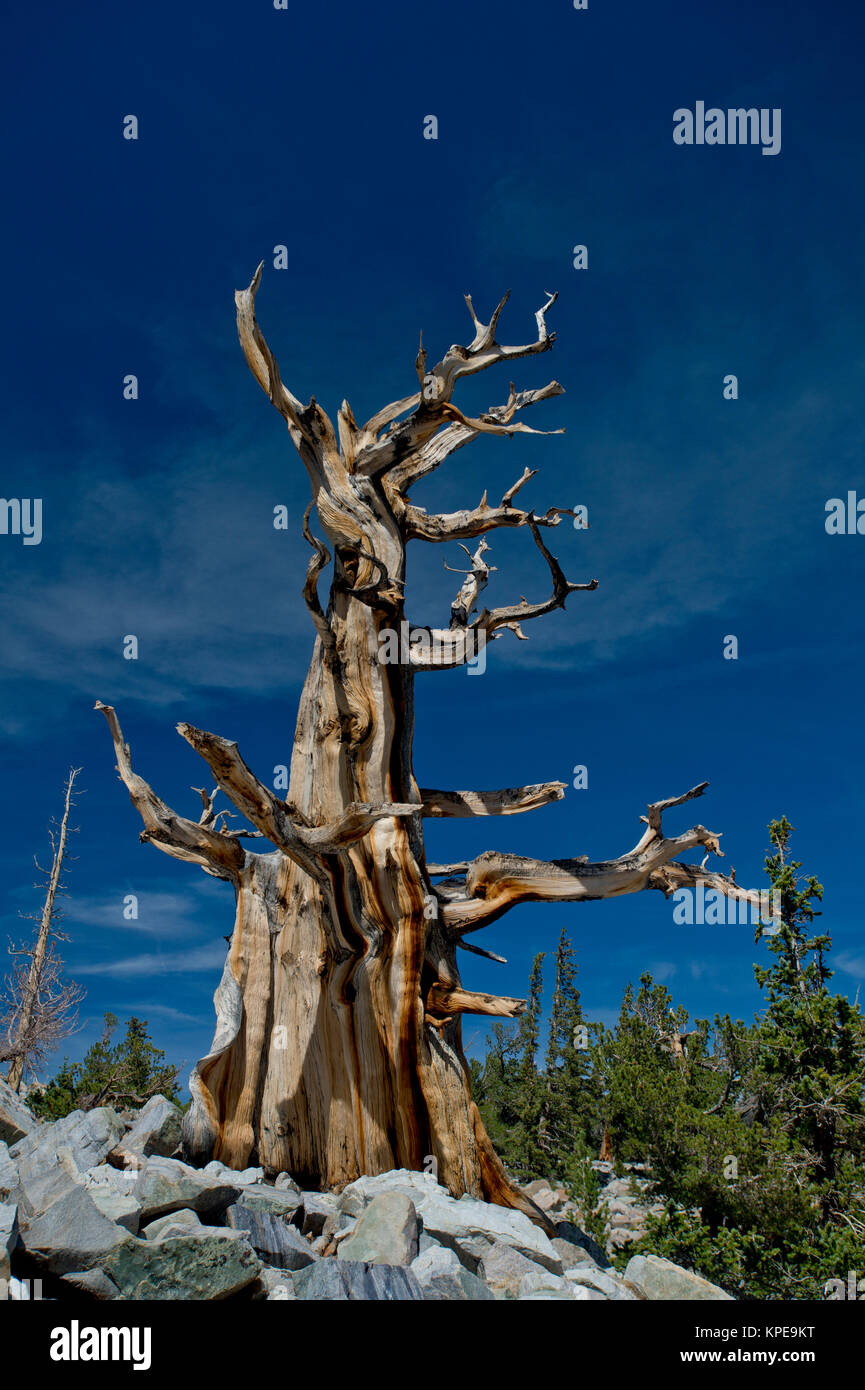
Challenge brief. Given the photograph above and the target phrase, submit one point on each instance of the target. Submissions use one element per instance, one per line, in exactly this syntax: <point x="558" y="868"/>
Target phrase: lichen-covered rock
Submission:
<point x="282" y="1202"/>
<point x="211" y="1263"/>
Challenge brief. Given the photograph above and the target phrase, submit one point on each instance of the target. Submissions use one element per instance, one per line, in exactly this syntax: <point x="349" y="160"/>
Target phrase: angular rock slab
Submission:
<point x="661" y="1279"/>
<point x="73" y="1234"/>
<point x="156" y="1129"/>
<point x="8" y="1173"/>
<point x="611" y="1286"/>
<point x="16" y="1119"/>
<point x="316" y="1209"/>
<point x="566" y="1230"/>
<point x="8" y="1240"/>
<point x="502" y="1268"/>
<point x="341" y="1281"/>
<point x="444" y="1279"/>
<point x="386" y="1233"/>
<point x="540" y="1286"/>
<point x="278" y="1244"/>
<point x="85" y="1135"/>
<point x="282" y="1202"/>
<point x="176" y="1223"/>
<point x="167" y="1184"/>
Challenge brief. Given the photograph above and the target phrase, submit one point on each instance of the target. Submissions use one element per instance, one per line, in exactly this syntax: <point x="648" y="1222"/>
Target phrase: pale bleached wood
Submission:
<point x="509" y="801"/>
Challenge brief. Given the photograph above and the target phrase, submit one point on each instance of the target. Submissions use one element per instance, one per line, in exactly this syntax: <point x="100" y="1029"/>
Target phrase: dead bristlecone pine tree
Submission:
<point x="337" y="1049"/>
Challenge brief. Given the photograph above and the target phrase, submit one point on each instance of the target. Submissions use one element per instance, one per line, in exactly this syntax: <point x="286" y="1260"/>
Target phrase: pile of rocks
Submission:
<point x="623" y="1204"/>
<point x="100" y="1206"/>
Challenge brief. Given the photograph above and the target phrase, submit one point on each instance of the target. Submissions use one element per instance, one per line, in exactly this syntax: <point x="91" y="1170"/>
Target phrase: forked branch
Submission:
<point x="495" y="882"/>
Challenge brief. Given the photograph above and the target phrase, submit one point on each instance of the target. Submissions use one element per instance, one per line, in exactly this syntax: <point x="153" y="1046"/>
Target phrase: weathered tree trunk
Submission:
<point x="338" y="1043"/>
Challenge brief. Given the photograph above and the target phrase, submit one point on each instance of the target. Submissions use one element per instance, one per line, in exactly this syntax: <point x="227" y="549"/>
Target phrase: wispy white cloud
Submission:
<point x="198" y="960"/>
<point x="851" y="964"/>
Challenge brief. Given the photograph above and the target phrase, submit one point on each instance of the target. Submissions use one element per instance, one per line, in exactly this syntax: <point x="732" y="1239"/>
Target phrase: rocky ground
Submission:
<point x="623" y="1205"/>
<point x="99" y="1205"/>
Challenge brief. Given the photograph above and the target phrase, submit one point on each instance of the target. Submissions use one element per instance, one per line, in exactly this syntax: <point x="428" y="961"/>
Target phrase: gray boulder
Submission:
<point x="41" y="1186"/>
<point x="610" y="1285"/>
<point x="8" y="1173"/>
<point x="238" y="1177"/>
<point x="315" y="1209"/>
<point x="276" y="1285"/>
<point x="73" y="1234"/>
<point x="572" y="1255"/>
<point x="16" y="1119"/>
<point x="277" y="1202"/>
<point x="167" y="1184"/>
<point x="540" y="1286"/>
<point x="177" y="1223"/>
<point x="502" y="1268"/>
<point x="92" y="1282"/>
<point x="566" y="1230"/>
<point x="85" y="1136"/>
<point x="8" y="1240"/>
<point x="467" y="1226"/>
<point x="212" y="1263"/>
<point x="386" y="1233"/>
<point x="661" y="1279"/>
<point x="357" y="1195"/>
<point x="277" y="1243"/>
<point x="342" y="1281"/>
<point x="120" y="1207"/>
<point x="443" y="1279"/>
<point x="155" y="1129"/>
<point x="284" y="1182"/>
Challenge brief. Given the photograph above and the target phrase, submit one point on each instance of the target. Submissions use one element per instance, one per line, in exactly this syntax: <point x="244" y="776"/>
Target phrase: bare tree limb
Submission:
<point x="183" y="839"/>
<point x="507" y="802"/>
<point x="447" y="1001"/>
<point x="483" y="351"/>
<point x="488" y="620"/>
<point x="495" y="882"/>
<point x="311" y="431"/>
<point x="305" y="845"/>
<point x="433" y="451"/>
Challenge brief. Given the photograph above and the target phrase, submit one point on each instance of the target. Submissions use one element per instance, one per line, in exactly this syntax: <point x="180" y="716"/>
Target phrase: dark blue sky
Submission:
<point x="304" y="127"/>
